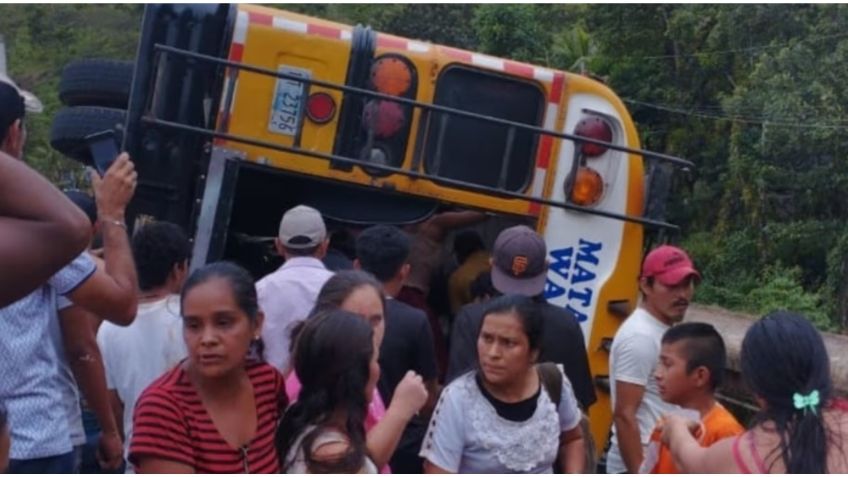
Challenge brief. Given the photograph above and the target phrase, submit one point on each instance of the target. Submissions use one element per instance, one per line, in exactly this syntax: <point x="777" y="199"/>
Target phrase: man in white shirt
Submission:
<point x="667" y="283"/>
<point x="136" y="355"/>
<point x="287" y="295"/>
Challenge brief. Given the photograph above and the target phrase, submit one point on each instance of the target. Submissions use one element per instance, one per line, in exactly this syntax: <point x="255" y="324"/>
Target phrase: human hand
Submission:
<point x="410" y="395"/>
<point x="671" y="426"/>
<point x="110" y="451"/>
<point x="115" y="189"/>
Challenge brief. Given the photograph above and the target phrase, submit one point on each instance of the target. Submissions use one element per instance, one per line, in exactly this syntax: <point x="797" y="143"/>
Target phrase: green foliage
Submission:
<point x="40" y="40"/>
<point x="445" y="24"/>
<point x="731" y="279"/>
<point x="511" y="30"/>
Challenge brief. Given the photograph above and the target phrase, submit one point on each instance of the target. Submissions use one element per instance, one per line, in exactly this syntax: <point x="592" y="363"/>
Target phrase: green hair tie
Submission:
<point x="810" y="401"/>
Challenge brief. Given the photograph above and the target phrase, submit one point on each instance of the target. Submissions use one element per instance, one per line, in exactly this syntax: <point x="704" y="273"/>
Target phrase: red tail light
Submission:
<point x="320" y="107"/>
<point x="596" y="128"/>
<point x="386" y="117"/>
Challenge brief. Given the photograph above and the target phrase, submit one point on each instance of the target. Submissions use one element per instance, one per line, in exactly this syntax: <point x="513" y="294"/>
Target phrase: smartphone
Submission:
<point x="104" y="149"/>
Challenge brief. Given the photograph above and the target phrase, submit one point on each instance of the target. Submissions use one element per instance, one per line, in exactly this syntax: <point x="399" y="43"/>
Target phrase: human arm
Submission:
<point x="572" y="443"/>
<point x="117" y="406"/>
<point x="687" y="453"/>
<point x="444" y="442"/>
<point x="437" y="226"/>
<point x="111" y="291"/>
<point x="571" y="451"/>
<point x="86" y="362"/>
<point x="41" y="231"/>
<point x="628" y="398"/>
<point x="634" y="357"/>
<point x="409" y="396"/>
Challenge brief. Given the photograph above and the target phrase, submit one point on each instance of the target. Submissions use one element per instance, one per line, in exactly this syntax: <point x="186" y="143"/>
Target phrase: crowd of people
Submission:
<point x="116" y="358"/>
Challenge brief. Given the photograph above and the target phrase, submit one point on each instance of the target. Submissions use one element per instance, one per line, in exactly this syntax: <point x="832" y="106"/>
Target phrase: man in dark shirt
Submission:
<point x="519" y="266"/>
<point x="383" y="251"/>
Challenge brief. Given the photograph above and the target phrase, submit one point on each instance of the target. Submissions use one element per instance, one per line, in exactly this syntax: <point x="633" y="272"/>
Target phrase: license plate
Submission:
<point x="287" y="107"/>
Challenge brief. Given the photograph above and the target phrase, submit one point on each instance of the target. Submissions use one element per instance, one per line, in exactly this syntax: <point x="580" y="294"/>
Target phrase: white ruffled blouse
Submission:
<point x="467" y="435"/>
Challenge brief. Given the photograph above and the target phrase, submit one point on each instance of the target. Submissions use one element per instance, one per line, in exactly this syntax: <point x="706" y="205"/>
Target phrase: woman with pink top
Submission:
<point x="359" y="293"/>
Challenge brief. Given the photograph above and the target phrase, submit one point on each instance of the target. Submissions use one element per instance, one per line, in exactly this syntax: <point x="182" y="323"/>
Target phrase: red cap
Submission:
<point x="668" y="264"/>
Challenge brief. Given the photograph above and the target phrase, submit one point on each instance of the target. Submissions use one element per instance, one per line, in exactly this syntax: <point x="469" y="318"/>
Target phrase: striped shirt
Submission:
<point x="171" y="423"/>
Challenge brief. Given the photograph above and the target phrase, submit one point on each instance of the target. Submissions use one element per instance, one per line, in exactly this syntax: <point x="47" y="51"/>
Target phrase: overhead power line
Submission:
<point x="760" y="121"/>
<point x="811" y="39"/>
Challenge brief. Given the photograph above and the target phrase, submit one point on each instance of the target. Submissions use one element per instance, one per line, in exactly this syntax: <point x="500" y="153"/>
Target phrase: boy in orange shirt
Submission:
<point x="691" y="368"/>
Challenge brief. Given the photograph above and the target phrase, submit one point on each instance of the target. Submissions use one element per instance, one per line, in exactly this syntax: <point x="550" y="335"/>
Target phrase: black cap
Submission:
<point x="12" y="106"/>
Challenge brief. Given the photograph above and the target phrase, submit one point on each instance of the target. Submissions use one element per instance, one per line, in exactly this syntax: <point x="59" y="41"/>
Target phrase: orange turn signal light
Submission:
<point x="391" y="75"/>
<point x="588" y="187"/>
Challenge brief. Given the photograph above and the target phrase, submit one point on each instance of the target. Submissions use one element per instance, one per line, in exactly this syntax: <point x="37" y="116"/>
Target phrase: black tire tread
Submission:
<point x="96" y="82"/>
<point x="71" y="126"/>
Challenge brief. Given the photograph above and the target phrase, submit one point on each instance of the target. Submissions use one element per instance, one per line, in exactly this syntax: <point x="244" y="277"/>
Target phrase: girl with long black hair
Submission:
<point x="324" y="431"/>
<point x="798" y="429"/>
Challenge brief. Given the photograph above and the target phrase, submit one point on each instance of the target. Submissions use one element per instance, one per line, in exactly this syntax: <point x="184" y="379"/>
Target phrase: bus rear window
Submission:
<point x="473" y="150"/>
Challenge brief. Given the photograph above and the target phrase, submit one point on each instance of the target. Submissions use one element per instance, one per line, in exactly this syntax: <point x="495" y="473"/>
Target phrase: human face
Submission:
<point x="217" y="332"/>
<point x="16" y="137"/>
<point x="503" y="349"/>
<point x="365" y="301"/>
<point x="674" y="383"/>
<point x="668" y="302"/>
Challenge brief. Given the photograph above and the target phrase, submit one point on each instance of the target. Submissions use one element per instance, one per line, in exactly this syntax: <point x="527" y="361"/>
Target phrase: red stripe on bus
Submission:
<point x="384" y="41"/>
<point x="261" y="18"/>
<point x="518" y="69"/>
<point x="535" y="208"/>
<point x="325" y="31"/>
<point x="557" y="87"/>
<point x="458" y="54"/>
<point x="236" y="51"/>
<point x="543" y="159"/>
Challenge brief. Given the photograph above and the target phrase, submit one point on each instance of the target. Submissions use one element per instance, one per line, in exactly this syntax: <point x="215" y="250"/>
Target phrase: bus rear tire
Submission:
<point x="96" y="82"/>
<point x="72" y="125"/>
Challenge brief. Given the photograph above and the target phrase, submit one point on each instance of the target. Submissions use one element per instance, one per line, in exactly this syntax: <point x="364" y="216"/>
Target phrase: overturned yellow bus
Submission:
<point x="238" y="112"/>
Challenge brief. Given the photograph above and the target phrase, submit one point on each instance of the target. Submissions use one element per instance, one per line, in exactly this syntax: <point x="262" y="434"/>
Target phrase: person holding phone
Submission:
<point x="38" y="420"/>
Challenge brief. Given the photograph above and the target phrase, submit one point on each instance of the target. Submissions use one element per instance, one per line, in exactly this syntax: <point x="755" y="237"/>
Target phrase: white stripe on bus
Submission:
<point x="240" y="35"/>
<point x="288" y="25"/>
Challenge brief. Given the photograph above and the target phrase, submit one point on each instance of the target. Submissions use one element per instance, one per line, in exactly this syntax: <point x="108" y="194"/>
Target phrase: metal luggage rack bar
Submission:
<point x="150" y="118"/>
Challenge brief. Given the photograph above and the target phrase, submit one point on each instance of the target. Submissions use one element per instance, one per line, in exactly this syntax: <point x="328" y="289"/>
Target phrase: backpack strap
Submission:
<point x="551" y="378"/>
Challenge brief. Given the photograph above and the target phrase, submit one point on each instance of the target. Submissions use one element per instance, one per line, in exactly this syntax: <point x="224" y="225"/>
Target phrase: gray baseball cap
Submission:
<point x="302" y="227"/>
<point x="519" y="260"/>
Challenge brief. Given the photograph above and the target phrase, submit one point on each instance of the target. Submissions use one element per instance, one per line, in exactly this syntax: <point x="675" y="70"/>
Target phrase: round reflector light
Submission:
<point x="386" y="117"/>
<point x="391" y="75"/>
<point x="588" y="187"/>
<point x="596" y="128"/>
<point x="320" y="107"/>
